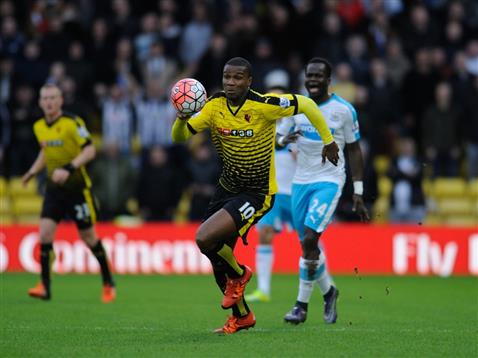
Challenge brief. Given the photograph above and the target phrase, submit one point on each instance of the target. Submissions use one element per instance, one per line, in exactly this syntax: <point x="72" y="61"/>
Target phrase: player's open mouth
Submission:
<point x="314" y="88"/>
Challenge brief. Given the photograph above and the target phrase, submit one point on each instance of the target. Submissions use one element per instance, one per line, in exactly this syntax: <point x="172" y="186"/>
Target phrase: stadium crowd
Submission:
<point x="410" y="68"/>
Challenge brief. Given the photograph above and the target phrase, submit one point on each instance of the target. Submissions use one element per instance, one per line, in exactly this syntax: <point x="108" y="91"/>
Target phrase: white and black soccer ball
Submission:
<point x="188" y="96"/>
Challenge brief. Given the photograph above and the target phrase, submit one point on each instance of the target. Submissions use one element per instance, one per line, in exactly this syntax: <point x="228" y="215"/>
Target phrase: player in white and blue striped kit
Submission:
<point x="317" y="184"/>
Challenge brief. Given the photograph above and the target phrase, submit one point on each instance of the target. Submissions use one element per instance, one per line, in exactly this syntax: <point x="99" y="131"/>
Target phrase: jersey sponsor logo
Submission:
<point x="284" y="102"/>
<point x="83" y="132"/>
<point x="226" y="132"/>
<point x="52" y="143"/>
<point x="310" y="132"/>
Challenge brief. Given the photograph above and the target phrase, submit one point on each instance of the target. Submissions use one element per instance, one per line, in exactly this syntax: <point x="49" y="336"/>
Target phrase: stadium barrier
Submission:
<point x="170" y="249"/>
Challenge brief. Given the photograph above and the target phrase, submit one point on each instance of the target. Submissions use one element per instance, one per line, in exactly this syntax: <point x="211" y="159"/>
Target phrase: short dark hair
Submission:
<point x="328" y="66"/>
<point x="240" y="61"/>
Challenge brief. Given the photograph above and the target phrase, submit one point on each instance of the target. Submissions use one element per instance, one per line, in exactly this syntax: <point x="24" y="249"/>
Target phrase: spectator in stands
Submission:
<point x="77" y="104"/>
<point x="5" y="137"/>
<point x="55" y="42"/>
<point x="115" y="181"/>
<point x="126" y="68"/>
<point x="379" y="32"/>
<point x="213" y="62"/>
<point x="383" y="112"/>
<point x="7" y="80"/>
<point x="407" y="199"/>
<point x="155" y="117"/>
<point x="11" y="39"/>
<point x="57" y="73"/>
<point x="23" y="113"/>
<point x="470" y="127"/>
<point x="101" y="50"/>
<point x="397" y="63"/>
<point x="31" y="67"/>
<point x="196" y="36"/>
<point x="118" y="118"/>
<point x="440" y="133"/>
<point x="159" y="187"/>
<point x="357" y="58"/>
<point x="419" y="31"/>
<point x="148" y="36"/>
<point x="204" y="170"/>
<point x="170" y="33"/>
<point x="330" y="40"/>
<point x="123" y="22"/>
<point x="79" y="69"/>
<point x="159" y="67"/>
<point x="417" y="93"/>
<point x="343" y="83"/>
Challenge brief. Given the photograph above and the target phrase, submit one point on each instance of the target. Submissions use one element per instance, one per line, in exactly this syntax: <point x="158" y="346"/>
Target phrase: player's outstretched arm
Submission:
<point x="36" y="167"/>
<point x="315" y="116"/>
<point x="356" y="168"/>
<point x="180" y="131"/>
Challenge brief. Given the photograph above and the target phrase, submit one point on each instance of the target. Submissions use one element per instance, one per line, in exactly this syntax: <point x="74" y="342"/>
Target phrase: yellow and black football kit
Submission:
<point x="244" y="138"/>
<point x="61" y="141"/>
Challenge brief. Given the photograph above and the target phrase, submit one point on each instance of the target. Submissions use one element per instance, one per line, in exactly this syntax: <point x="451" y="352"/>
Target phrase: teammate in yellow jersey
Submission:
<point x="65" y="149"/>
<point x="242" y="124"/>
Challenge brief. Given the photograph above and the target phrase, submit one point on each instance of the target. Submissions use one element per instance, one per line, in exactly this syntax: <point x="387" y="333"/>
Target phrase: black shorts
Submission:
<point x="78" y="206"/>
<point x="245" y="208"/>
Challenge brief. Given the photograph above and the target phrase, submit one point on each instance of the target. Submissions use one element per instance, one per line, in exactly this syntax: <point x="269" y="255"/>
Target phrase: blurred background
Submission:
<point x="410" y="68"/>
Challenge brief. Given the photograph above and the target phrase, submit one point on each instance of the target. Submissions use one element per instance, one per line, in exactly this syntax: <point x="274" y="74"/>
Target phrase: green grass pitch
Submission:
<point x="173" y="316"/>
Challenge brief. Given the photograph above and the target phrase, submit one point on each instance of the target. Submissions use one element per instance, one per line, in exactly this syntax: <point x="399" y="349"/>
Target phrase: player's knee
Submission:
<point x="203" y="240"/>
<point x="46" y="238"/>
<point x="266" y="234"/>
<point x="89" y="237"/>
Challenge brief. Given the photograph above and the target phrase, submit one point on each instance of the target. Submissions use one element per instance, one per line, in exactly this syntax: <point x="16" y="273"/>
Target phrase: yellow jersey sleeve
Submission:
<point x="79" y="132"/>
<point x="315" y="116"/>
<point x="183" y="130"/>
<point x="284" y="105"/>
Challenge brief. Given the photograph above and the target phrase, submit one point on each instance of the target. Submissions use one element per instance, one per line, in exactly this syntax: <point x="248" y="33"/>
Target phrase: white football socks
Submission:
<point x="306" y="281"/>
<point x="264" y="261"/>
<point x="324" y="281"/>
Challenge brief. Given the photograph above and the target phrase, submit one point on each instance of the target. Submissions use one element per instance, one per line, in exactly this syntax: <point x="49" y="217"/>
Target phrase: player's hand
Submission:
<point x="60" y="176"/>
<point x="26" y="178"/>
<point x="331" y="152"/>
<point x="289" y="138"/>
<point x="359" y="208"/>
<point x="182" y="116"/>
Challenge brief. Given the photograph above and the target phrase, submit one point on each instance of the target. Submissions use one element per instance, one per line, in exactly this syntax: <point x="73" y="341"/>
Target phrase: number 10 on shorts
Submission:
<point x="247" y="210"/>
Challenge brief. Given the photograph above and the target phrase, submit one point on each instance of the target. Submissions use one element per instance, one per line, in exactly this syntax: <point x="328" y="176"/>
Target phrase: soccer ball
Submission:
<point x="188" y="96"/>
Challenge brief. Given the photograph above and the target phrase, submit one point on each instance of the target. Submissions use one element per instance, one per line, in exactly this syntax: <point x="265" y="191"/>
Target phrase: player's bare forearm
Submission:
<point x="355" y="160"/>
<point x="87" y="154"/>
<point x="180" y="132"/>
<point x="36" y="167"/>
<point x="356" y="168"/>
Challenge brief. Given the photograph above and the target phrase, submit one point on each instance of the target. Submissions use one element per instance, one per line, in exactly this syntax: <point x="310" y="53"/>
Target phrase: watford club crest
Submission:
<point x="247" y="117"/>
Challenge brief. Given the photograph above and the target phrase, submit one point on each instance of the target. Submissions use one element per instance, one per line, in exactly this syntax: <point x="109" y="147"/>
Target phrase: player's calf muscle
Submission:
<point x="310" y="247"/>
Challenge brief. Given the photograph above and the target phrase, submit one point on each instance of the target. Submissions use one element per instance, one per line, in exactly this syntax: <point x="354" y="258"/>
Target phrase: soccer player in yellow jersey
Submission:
<point x="242" y="125"/>
<point x="65" y="149"/>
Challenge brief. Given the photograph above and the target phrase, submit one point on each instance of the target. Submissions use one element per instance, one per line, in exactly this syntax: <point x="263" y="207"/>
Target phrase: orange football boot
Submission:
<point x="39" y="291"/>
<point x="235" y="288"/>
<point x="109" y="293"/>
<point x="235" y="324"/>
